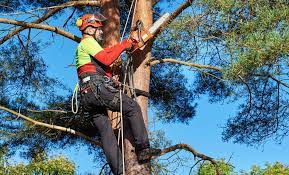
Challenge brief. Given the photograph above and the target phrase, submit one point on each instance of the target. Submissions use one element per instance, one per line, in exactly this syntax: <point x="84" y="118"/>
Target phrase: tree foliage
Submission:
<point x="277" y="169"/>
<point x="247" y="41"/>
<point x="39" y="165"/>
<point x="208" y="169"/>
<point x="171" y="95"/>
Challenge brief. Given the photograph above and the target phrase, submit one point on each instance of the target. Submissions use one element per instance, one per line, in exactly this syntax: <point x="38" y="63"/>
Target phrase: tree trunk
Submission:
<point x="141" y="81"/>
<point x="110" y="10"/>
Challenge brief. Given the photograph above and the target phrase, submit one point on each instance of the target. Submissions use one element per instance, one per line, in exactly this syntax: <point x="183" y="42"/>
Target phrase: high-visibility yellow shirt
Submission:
<point x="86" y="49"/>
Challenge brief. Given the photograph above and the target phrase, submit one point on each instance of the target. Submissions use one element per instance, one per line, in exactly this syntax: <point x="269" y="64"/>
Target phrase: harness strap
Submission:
<point x="141" y="92"/>
<point x="84" y="90"/>
<point x="115" y="99"/>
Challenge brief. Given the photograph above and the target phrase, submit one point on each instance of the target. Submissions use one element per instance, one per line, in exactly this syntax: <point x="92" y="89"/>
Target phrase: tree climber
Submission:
<point x="99" y="92"/>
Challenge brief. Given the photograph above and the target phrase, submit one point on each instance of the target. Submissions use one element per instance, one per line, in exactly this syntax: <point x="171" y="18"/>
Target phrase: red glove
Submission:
<point x="127" y="43"/>
<point x="133" y="40"/>
<point x="108" y="55"/>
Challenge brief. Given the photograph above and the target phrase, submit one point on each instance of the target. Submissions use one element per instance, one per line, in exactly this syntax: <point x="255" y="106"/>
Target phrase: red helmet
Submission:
<point x="94" y="20"/>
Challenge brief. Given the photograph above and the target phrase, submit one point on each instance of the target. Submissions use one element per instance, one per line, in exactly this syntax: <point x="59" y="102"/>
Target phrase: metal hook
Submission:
<point x="139" y="26"/>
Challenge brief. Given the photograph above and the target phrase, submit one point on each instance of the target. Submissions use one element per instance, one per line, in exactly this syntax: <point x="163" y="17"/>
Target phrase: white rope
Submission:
<point x="124" y="29"/>
<point x="120" y="93"/>
<point x="122" y="131"/>
<point x="134" y="10"/>
<point x="74" y="100"/>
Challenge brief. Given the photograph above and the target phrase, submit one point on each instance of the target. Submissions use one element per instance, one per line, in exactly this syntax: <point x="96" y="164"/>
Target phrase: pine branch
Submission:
<point x="41" y="26"/>
<point x="55" y="127"/>
<point x="171" y="60"/>
<point x="51" y="13"/>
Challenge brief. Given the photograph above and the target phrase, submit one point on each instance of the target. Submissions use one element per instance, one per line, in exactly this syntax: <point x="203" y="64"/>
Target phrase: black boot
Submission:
<point x="147" y="153"/>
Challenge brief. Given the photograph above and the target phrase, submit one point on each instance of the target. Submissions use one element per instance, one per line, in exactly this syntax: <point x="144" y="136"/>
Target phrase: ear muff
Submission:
<point x="79" y="22"/>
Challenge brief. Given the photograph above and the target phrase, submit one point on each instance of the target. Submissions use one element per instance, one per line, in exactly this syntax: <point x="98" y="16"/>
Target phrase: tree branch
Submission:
<point x="273" y="78"/>
<point x="171" y="60"/>
<point x="194" y="152"/>
<point x="41" y="26"/>
<point x="47" y="110"/>
<point x="69" y="18"/>
<point x="249" y="91"/>
<point x="51" y="13"/>
<point x="176" y="13"/>
<point x="55" y="127"/>
<point x="155" y="2"/>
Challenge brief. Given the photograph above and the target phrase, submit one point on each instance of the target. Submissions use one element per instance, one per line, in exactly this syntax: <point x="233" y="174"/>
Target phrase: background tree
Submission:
<point x="207" y="169"/>
<point x="277" y="168"/>
<point x="39" y="165"/>
<point x="235" y="49"/>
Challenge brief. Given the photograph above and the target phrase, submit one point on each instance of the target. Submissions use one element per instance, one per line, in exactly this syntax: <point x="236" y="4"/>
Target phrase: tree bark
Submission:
<point x="141" y="81"/>
<point x="112" y="25"/>
<point x="110" y="10"/>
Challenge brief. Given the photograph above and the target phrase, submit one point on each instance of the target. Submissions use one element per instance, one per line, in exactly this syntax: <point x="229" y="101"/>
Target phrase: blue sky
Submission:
<point x="203" y="133"/>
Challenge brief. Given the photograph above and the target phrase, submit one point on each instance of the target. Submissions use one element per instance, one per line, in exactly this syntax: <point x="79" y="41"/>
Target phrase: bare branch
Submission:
<point x="37" y="9"/>
<point x="41" y="26"/>
<point x="176" y="13"/>
<point x="47" y="110"/>
<point x="249" y="91"/>
<point x="28" y="38"/>
<point x="195" y="165"/>
<point x="155" y="2"/>
<point x="102" y="168"/>
<point x="65" y="23"/>
<point x="171" y="60"/>
<point x="273" y="78"/>
<point x="5" y="6"/>
<point x="55" y="127"/>
<point x="51" y="13"/>
<point x="194" y="152"/>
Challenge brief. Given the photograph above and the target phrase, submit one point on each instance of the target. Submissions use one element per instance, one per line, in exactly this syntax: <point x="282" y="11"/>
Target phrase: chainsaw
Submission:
<point x="145" y="35"/>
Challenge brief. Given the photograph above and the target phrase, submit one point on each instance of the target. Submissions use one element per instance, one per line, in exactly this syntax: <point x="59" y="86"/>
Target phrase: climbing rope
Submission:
<point x="74" y="101"/>
<point x="134" y="2"/>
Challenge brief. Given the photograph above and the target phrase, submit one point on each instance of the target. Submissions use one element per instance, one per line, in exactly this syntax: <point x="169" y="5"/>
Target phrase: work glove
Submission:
<point x="127" y="43"/>
<point x="116" y="67"/>
<point x="133" y="37"/>
<point x="131" y="43"/>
